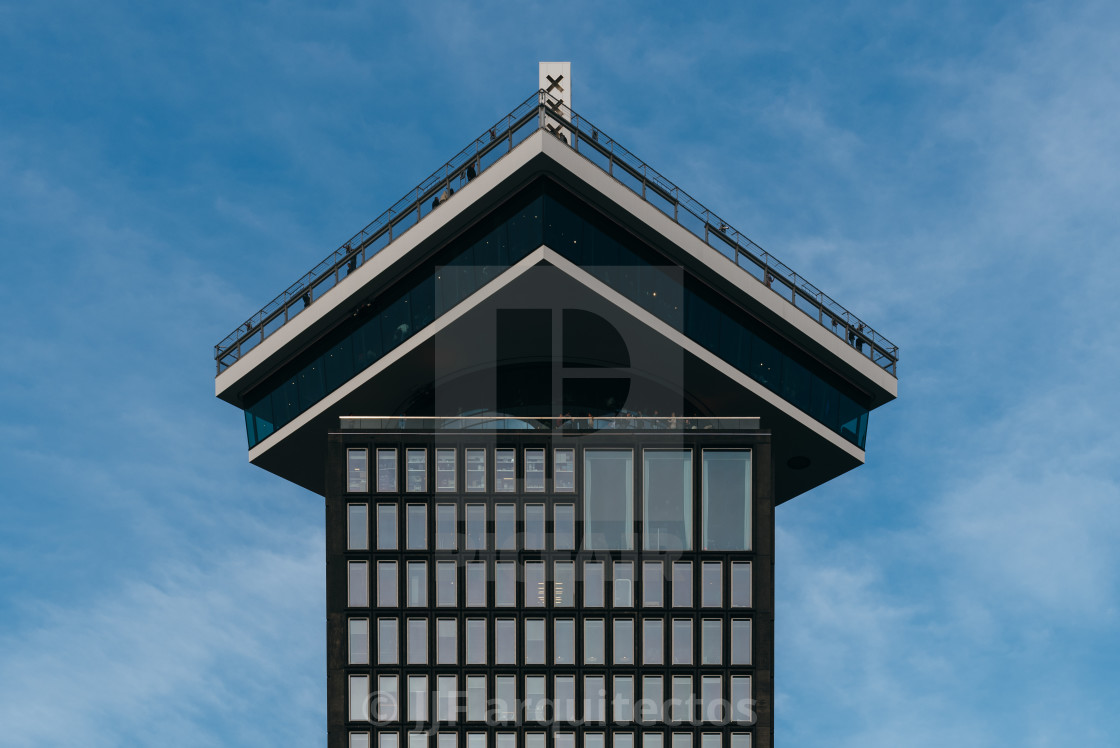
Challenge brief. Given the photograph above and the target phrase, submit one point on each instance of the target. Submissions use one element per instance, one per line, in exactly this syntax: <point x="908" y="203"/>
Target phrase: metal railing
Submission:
<point x="502" y="422"/>
<point x="541" y="112"/>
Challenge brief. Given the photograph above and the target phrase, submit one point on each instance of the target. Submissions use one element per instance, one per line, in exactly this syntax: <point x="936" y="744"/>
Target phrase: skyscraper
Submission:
<point x="552" y="402"/>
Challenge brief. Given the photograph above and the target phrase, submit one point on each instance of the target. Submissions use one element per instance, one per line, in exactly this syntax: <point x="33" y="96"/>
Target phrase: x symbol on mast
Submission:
<point x="554" y="83"/>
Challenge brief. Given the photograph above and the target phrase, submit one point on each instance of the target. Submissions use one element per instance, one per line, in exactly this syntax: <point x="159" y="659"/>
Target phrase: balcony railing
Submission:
<point x="541" y="112"/>
<point x="502" y="422"/>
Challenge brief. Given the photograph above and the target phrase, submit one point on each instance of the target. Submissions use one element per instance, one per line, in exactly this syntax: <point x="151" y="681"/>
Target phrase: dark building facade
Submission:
<point x="552" y="403"/>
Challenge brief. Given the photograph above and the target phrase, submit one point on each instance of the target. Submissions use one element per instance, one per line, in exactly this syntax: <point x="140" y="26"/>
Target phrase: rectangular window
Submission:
<point x="564" y="528"/>
<point x="564" y="641"/>
<point x="357" y="526"/>
<point x="417" y="527"/>
<point x="653" y="697"/>
<point x="534" y="701"/>
<point x="446" y="532"/>
<point x="534" y="641"/>
<point x="742" y="706"/>
<point x="653" y="740"/>
<point x="388" y="647"/>
<point x="741" y="585"/>
<point x="623" y="641"/>
<point x="682" y="641"/>
<point x="476" y="641"/>
<point x="447" y="644"/>
<point x="505" y="584"/>
<point x="445" y="471"/>
<point x="682" y="584"/>
<point x="653" y="584"/>
<point x="388" y="740"/>
<point x="357" y="470"/>
<point x="711" y="641"/>
<point x="359" y="740"/>
<point x="505" y="470"/>
<point x="740" y="740"/>
<point x="476" y="470"/>
<point x="623" y="698"/>
<point x="594" y="698"/>
<point x="668" y="499"/>
<point x="594" y="740"/>
<point x="447" y="740"/>
<point x="534" y="471"/>
<point x="653" y="641"/>
<point x="476" y="740"/>
<point x="359" y="698"/>
<point x="711" y="740"/>
<point x="593" y="583"/>
<point x="447" y="585"/>
<point x="564" y="740"/>
<point x="535" y="592"/>
<point x="741" y="641"/>
<point x="622" y="585"/>
<point x="565" y="703"/>
<point x="711" y="699"/>
<point x="387" y="527"/>
<point x="534" y="527"/>
<point x="387" y="470"/>
<point x="564" y="592"/>
<point x="727" y="500"/>
<point x="505" y="740"/>
<point x="682" y="699"/>
<point x="622" y="740"/>
<point x="387" y="584"/>
<point x="416" y="594"/>
<point x="564" y="470"/>
<point x="594" y="641"/>
<point x="682" y="740"/>
<point x="476" y="584"/>
<point x="418" y="698"/>
<point x="359" y="641"/>
<point x="505" y="641"/>
<point x="476" y="698"/>
<point x="476" y="527"/>
<point x="417" y="641"/>
<point x="608" y="499"/>
<point x="711" y="584"/>
<point x="446" y="698"/>
<point x="505" y="527"/>
<point x="389" y="690"/>
<point x="357" y="584"/>
<point x="418" y="740"/>
<point x="505" y="699"/>
<point x="417" y="470"/>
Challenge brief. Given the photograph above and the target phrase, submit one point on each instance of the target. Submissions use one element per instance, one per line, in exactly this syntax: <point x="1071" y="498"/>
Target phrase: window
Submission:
<point x="653" y="641"/>
<point x="417" y="641"/>
<point x="565" y="703"/>
<point x="359" y="740"/>
<point x="387" y="584"/>
<point x="357" y="470"/>
<point x="534" y="527"/>
<point x="742" y="707"/>
<point x="741" y="585"/>
<point x="388" y="740"/>
<point x="594" y="698"/>
<point x="593" y="584"/>
<point x="389" y="693"/>
<point x="564" y="593"/>
<point x="682" y="740"/>
<point x="447" y="585"/>
<point x="359" y="698"/>
<point x="623" y="641"/>
<point x="357" y="584"/>
<point x="652" y="698"/>
<point x="418" y="740"/>
<point x="682" y="584"/>
<point x="594" y="740"/>
<point x="505" y="641"/>
<point x="534" y="702"/>
<point x="711" y="641"/>
<point x="711" y="699"/>
<point x="476" y="584"/>
<point x="505" y="699"/>
<point x="445" y="527"/>
<point x="622" y="740"/>
<point x="682" y="641"/>
<point x="476" y="740"/>
<point x="534" y="739"/>
<point x="476" y="698"/>
<point x="564" y="641"/>
<point x="417" y="475"/>
<point x="564" y="740"/>
<point x="668" y="499"/>
<point x="623" y="584"/>
<point x="740" y="740"/>
<point x="445" y="471"/>
<point x="447" y="649"/>
<point x="564" y="529"/>
<point x="608" y="508"/>
<point x="653" y="577"/>
<point x="594" y="641"/>
<point x="535" y="594"/>
<point x="741" y="641"/>
<point x="476" y="470"/>
<point x="387" y="470"/>
<point x="447" y="740"/>
<point x="505" y="584"/>
<point x="711" y="585"/>
<point x="417" y="529"/>
<point x="505" y="527"/>
<point x="476" y="526"/>
<point x="623" y="698"/>
<point x="711" y="740"/>
<point x="682" y="699"/>
<point x="417" y="698"/>
<point x="387" y="527"/>
<point x="653" y="740"/>
<point x="447" y="697"/>
<point x="534" y="470"/>
<point x="476" y="641"/>
<point x="359" y="641"/>
<point x="416" y="594"/>
<point x="388" y="647"/>
<point x="727" y="500"/>
<point x="534" y="641"/>
<point x="357" y="535"/>
<point x="506" y="740"/>
<point x="505" y="470"/>
<point x="564" y="469"/>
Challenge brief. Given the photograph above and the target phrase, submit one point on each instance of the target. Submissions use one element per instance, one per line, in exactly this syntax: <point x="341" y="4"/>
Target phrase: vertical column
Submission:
<point x="556" y="82"/>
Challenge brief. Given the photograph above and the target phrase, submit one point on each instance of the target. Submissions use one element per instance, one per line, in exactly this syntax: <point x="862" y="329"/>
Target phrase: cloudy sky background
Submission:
<point x="949" y="171"/>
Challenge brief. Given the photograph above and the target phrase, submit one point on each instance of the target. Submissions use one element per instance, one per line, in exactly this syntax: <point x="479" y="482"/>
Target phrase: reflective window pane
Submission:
<point x="416" y="594"/>
<point x="653" y="641"/>
<point x="535" y="591"/>
<point x="447" y="698"/>
<point x="476" y="698"/>
<point x="475" y="470"/>
<point x="534" y="641"/>
<point x="564" y="527"/>
<point x="446" y="532"/>
<point x="447" y="644"/>
<point x="416" y="641"/>
<point x="476" y="584"/>
<point x="681" y="699"/>
<point x="565" y="701"/>
<point x="417" y="527"/>
<point x="357" y="535"/>
<point x="447" y="584"/>
<point x="608" y="508"/>
<point x="668" y="499"/>
<point x="622" y="740"/>
<point x="535" y="705"/>
<point x="505" y="700"/>
<point x="741" y="585"/>
<point x="594" y="698"/>
<point x="623" y="641"/>
<point x="358" y="638"/>
<point x="418" y="698"/>
<point x="387" y="527"/>
<point x="387" y="706"/>
<point x="534" y="527"/>
<point x="445" y="471"/>
<point x="534" y="470"/>
<point x="505" y="470"/>
<point x="653" y="698"/>
<point x="711" y="642"/>
<point x="388" y="647"/>
<point x="711" y="699"/>
<point x="653" y="584"/>
<point x="682" y="641"/>
<point x="357" y="584"/>
<point x="593" y="583"/>
<point x="741" y="707"/>
<point x="622" y="585"/>
<point x="726" y="492"/>
<point x="505" y="641"/>
<point x="565" y="470"/>
<point x="417" y="470"/>
<point x="387" y="584"/>
<point x="387" y="470"/>
<point x="505" y="527"/>
<point x="711" y="584"/>
<point x="475" y="645"/>
<point x="594" y="641"/>
<point x="564" y="592"/>
<point x="359" y="740"/>
<point x="359" y="698"/>
<point x="505" y="584"/>
<point x="682" y="584"/>
<point x="564" y="641"/>
<point x="741" y="641"/>
<point x="476" y="527"/>
<point x="623" y="698"/>
<point x="682" y="740"/>
<point x="740" y="740"/>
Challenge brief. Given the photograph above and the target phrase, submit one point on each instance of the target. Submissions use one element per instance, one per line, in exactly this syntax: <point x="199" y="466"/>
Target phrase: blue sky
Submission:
<point x="949" y="171"/>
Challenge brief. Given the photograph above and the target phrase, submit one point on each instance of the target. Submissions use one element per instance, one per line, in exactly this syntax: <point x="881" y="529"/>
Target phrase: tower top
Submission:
<point x="556" y="81"/>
